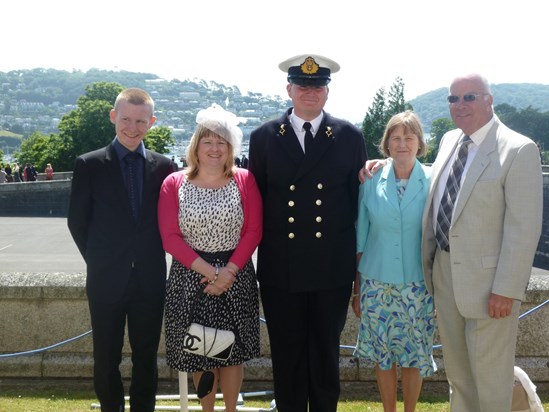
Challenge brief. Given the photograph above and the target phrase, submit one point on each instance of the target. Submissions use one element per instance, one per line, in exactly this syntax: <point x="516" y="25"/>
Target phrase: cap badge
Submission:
<point x="309" y="66"/>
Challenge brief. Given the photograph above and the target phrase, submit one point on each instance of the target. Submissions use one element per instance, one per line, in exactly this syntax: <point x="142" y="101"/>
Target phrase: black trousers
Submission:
<point x="143" y="314"/>
<point x="304" y="332"/>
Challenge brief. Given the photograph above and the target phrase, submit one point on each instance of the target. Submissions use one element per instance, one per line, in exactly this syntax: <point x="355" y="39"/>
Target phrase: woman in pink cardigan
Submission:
<point x="210" y="218"/>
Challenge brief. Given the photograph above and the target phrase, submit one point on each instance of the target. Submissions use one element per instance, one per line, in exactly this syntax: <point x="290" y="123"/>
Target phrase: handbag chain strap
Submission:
<point x="199" y="296"/>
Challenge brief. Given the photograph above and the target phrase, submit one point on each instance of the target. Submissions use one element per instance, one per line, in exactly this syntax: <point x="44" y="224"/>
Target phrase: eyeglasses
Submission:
<point x="471" y="97"/>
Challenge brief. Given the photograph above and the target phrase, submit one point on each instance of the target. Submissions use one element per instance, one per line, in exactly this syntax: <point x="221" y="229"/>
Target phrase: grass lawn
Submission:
<point x="59" y="399"/>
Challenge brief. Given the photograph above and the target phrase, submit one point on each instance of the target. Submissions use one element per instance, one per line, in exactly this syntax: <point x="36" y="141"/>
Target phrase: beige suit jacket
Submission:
<point x="497" y="219"/>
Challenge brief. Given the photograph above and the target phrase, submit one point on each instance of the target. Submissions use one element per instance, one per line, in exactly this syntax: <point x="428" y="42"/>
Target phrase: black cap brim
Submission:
<point x="307" y="81"/>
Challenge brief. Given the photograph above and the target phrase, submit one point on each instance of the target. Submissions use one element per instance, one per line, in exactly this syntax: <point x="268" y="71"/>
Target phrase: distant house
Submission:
<point x="189" y="95"/>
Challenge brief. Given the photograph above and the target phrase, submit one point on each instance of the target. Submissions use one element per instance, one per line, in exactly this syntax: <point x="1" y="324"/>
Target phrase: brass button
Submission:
<point x="291" y="203"/>
<point x="319" y="186"/>
<point x="318" y="235"/>
<point x="292" y="187"/>
<point x="319" y="219"/>
<point x="291" y="219"/>
<point x="318" y="202"/>
<point x="291" y="235"/>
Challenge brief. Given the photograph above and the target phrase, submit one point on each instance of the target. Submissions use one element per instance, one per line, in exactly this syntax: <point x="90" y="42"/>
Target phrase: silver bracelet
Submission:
<point x="211" y="282"/>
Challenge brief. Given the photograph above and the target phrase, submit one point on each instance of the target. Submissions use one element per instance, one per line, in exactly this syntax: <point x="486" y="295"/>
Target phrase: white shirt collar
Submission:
<point x="479" y="136"/>
<point x="297" y="122"/>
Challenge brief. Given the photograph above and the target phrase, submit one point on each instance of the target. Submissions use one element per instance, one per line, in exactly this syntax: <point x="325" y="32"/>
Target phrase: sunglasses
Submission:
<point x="466" y="97"/>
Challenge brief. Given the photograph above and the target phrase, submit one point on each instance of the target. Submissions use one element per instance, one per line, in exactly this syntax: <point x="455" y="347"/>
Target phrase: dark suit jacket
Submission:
<point x="101" y="223"/>
<point x="310" y="203"/>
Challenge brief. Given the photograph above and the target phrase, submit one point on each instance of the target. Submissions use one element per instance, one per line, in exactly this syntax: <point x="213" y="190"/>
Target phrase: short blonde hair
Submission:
<point x="134" y="96"/>
<point x="411" y="124"/>
<point x="192" y="153"/>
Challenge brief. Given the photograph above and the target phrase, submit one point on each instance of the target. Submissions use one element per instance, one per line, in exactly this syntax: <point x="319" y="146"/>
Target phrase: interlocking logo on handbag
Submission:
<point x="210" y="342"/>
<point x="191" y="343"/>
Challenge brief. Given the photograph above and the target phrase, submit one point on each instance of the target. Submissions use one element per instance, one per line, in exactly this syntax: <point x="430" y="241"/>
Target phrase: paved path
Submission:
<point x="38" y="245"/>
<point x="41" y="245"/>
<point x="44" y="245"/>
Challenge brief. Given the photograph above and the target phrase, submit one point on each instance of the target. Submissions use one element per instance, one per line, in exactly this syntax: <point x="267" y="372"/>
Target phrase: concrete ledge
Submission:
<point x="38" y="310"/>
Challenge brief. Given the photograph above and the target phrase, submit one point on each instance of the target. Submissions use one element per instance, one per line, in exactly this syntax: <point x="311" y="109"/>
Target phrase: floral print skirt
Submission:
<point x="397" y="325"/>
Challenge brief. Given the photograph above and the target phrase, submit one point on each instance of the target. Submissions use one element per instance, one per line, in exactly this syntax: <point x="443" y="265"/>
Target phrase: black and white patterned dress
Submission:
<point x="211" y="221"/>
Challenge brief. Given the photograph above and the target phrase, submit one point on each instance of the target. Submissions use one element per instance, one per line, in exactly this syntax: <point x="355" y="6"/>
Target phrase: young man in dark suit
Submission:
<point x="113" y="220"/>
<point x="306" y="165"/>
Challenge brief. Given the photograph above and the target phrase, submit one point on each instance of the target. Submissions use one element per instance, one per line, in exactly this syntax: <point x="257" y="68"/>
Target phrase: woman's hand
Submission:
<point x="225" y="278"/>
<point x="356" y="290"/>
<point x="356" y="305"/>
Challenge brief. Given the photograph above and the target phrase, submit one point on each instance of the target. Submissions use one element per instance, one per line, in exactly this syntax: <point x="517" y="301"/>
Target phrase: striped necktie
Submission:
<point x="444" y="217"/>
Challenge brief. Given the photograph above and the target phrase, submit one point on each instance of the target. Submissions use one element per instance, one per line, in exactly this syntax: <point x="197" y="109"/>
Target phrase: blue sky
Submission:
<point x="241" y="42"/>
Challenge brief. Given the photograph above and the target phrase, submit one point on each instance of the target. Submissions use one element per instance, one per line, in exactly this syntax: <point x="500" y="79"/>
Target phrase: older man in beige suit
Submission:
<point x="479" y="241"/>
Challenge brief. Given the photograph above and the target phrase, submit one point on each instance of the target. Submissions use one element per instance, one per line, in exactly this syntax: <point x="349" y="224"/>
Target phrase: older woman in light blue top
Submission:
<point x="390" y="297"/>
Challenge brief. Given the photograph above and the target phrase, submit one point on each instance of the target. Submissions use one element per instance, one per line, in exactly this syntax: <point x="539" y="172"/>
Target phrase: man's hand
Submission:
<point x="370" y="168"/>
<point x="499" y="306"/>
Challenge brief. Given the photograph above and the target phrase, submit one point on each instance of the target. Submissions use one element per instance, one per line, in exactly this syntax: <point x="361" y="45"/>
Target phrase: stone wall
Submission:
<point x="35" y="199"/>
<point x="41" y="310"/>
<point x="542" y="255"/>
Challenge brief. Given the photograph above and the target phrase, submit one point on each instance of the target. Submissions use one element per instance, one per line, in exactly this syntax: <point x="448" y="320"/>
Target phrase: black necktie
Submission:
<point x="132" y="185"/>
<point x="446" y="208"/>
<point x="308" y="136"/>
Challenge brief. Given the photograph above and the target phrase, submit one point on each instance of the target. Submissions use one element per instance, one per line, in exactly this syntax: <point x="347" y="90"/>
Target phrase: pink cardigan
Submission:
<point x="172" y="238"/>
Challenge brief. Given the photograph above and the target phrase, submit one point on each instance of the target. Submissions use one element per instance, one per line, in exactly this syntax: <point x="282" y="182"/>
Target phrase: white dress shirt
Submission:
<point x="297" y="125"/>
<point x="476" y="139"/>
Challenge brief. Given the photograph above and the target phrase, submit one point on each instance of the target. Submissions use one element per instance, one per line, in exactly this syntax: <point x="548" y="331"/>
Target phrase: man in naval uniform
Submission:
<point x="306" y="165"/>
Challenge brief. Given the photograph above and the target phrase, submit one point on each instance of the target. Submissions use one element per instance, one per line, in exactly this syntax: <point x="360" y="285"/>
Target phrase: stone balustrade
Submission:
<point x="39" y="310"/>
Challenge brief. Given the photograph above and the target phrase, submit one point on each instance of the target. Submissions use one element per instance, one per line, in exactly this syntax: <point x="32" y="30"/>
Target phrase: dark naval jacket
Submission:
<point x="310" y="203"/>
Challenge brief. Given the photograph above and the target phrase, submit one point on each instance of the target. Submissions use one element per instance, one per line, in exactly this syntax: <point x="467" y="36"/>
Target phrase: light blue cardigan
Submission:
<point x="389" y="233"/>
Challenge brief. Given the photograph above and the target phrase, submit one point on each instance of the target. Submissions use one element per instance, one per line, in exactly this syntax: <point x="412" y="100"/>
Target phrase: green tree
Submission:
<point x="105" y="91"/>
<point x="396" y="103"/>
<point x="529" y="122"/>
<point x="62" y="158"/>
<point x="38" y="149"/>
<point x="7" y="106"/>
<point x="84" y="129"/>
<point x="159" y="139"/>
<point x="93" y="126"/>
<point x="438" y="128"/>
<point x="379" y="113"/>
<point x="17" y="129"/>
<point x="374" y="125"/>
<point x="505" y="112"/>
<point x="88" y="127"/>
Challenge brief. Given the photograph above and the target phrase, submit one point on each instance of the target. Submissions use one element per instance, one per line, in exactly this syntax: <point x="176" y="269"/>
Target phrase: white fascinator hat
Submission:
<point x="222" y="123"/>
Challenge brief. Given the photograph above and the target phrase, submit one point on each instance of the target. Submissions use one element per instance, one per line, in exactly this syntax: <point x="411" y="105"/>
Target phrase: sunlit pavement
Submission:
<point x="39" y="245"/>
